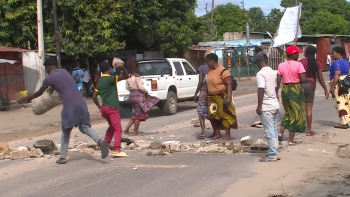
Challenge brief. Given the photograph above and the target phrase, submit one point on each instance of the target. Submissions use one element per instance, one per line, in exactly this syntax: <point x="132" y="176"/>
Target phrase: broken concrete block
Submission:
<point x="22" y="148"/>
<point x="173" y="145"/>
<point x="17" y="154"/>
<point x="123" y="145"/>
<point x="156" y="145"/>
<point x="37" y="153"/>
<point x="246" y="141"/>
<point x="72" y="143"/>
<point x="82" y="146"/>
<point x="218" y="142"/>
<point x="132" y="146"/>
<point x="143" y="144"/>
<point x="258" y="148"/>
<point x="197" y="144"/>
<point x="5" y="149"/>
<point x="212" y="149"/>
<point x="185" y="147"/>
<point x="161" y="153"/>
<point x="88" y="151"/>
<point x="261" y="142"/>
<point x="46" y="146"/>
<point x="193" y="121"/>
<point x="150" y="154"/>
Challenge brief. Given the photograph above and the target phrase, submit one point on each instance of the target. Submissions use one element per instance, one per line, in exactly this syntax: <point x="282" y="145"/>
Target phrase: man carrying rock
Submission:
<point x="268" y="105"/>
<point x="74" y="113"/>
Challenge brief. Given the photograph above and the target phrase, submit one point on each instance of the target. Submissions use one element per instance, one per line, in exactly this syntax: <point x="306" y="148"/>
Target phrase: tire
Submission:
<point x="169" y="107"/>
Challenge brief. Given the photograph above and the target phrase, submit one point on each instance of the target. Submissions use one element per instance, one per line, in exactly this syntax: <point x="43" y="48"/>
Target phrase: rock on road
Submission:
<point x="178" y="174"/>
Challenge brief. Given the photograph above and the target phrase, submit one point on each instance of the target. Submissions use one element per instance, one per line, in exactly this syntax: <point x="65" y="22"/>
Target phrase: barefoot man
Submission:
<point x="74" y="113"/>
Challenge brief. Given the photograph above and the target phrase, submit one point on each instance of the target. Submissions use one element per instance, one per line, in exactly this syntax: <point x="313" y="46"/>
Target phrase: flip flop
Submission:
<point x="202" y="136"/>
<point x="292" y="144"/>
<point x="267" y="159"/>
<point x="278" y="158"/>
<point x="126" y="132"/>
<point x="104" y="149"/>
<point x="341" y="126"/>
<point x="120" y="154"/>
<point x="311" y="133"/>
<point x="61" y="161"/>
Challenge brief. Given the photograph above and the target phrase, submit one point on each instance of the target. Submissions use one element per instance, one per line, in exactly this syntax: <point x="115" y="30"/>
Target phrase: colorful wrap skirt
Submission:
<point x="293" y="100"/>
<point x="218" y="110"/>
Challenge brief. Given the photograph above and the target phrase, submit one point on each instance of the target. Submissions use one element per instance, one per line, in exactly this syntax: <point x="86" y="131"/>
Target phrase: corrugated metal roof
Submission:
<point x="233" y="43"/>
<point x="11" y="49"/>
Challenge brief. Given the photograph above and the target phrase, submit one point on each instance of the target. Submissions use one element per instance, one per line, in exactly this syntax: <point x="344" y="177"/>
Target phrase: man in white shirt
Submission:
<point x="268" y="105"/>
<point x="86" y="82"/>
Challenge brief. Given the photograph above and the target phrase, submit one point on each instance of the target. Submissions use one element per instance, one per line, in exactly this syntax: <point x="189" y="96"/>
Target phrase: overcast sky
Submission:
<point x="265" y="5"/>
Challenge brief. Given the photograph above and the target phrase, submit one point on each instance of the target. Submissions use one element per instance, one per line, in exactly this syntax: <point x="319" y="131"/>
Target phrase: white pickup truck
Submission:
<point x="170" y="79"/>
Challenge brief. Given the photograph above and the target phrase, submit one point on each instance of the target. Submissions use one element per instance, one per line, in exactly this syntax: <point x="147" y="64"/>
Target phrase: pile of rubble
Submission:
<point x="47" y="148"/>
<point x="41" y="148"/>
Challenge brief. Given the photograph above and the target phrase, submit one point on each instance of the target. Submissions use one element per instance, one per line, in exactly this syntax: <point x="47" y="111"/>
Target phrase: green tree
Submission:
<point x="258" y="21"/>
<point x="273" y="20"/>
<point x="311" y="7"/>
<point x="227" y="18"/>
<point x="336" y="24"/>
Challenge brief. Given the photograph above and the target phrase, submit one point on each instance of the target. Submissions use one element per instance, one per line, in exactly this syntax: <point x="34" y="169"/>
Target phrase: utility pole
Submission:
<point x="41" y="49"/>
<point x="242" y="4"/>
<point x="296" y="2"/>
<point x="206" y="8"/>
<point x="57" y="36"/>
<point x="212" y="20"/>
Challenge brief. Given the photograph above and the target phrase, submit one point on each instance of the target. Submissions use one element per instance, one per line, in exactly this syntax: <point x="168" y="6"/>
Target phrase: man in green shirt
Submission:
<point x="107" y="89"/>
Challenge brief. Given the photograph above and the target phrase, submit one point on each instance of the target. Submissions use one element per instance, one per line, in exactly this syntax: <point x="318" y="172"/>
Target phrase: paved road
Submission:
<point x="179" y="174"/>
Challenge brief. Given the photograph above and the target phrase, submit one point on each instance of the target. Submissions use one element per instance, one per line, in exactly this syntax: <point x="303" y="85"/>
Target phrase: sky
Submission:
<point x="265" y="5"/>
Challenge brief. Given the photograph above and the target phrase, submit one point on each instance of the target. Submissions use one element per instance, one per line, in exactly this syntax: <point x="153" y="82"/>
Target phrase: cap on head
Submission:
<point x="50" y="62"/>
<point x="261" y="56"/>
<point x="293" y="50"/>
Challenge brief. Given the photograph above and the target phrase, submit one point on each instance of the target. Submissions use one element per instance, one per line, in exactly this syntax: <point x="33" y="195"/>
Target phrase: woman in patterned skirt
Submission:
<point x="138" y="98"/>
<point x="338" y="70"/>
<point x="221" y="111"/>
<point x="202" y="108"/>
<point x="293" y="97"/>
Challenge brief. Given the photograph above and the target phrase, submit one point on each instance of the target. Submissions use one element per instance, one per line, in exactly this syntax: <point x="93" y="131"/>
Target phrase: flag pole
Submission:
<point x="296" y="34"/>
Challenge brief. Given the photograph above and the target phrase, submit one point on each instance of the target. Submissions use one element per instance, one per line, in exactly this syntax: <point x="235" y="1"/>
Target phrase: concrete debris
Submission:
<point x="261" y="142"/>
<point x="197" y="144"/>
<point x="124" y="146"/>
<point x="93" y="145"/>
<point x="173" y="145"/>
<point x="82" y="146"/>
<point x="47" y="156"/>
<point x="135" y="168"/>
<point x="212" y="149"/>
<point x="89" y="151"/>
<point x="19" y="154"/>
<point x="37" y="153"/>
<point x="156" y="145"/>
<point x="247" y="141"/>
<point x="218" y="142"/>
<point x="132" y="146"/>
<point x="47" y="146"/>
<point x="172" y="136"/>
<point x="143" y="144"/>
<point x="344" y="151"/>
<point x="72" y="143"/>
<point x="23" y="148"/>
<point x="257" y="124"/>
<point x="73" y="150"/>
<point x="5" y="150"/>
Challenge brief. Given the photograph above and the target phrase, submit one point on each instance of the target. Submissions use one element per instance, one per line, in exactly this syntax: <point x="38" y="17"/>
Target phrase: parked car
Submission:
<point x="172" y="80"/>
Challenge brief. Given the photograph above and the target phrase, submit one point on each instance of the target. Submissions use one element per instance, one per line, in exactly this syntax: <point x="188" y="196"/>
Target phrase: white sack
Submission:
<point x="45" y="102"/>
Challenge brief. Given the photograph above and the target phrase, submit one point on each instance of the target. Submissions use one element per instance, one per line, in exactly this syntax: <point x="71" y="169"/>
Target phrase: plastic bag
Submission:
<point x="45" y="102"/>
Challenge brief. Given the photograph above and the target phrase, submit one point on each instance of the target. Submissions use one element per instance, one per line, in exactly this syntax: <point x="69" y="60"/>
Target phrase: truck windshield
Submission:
<point x="153" y="67"/>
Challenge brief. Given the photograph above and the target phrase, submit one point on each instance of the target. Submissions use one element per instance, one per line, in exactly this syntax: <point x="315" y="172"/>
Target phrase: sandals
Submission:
<point x="268" y="159"/>
<point x="61" y="161"/>
<point x="202" y="136"/>
<point x="126" y="132"/>
<point x="341" y="126"/>
<point x="312" y="133"/>
<point x="119" y="154"/>
<point x="292" y="143"/>
<point x="280" y="138"/>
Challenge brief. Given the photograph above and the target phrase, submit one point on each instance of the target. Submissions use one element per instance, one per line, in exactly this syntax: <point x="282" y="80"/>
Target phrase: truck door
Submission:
<point x="181" y="79"/>
<point x="191" y="78"/>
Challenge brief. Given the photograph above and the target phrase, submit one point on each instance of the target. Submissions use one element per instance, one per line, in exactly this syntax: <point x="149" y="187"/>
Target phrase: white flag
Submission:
<point x="288" y="27"/>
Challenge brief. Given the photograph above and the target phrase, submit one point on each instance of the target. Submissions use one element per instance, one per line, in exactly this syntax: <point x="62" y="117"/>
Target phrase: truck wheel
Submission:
<point x="169" y="107"/>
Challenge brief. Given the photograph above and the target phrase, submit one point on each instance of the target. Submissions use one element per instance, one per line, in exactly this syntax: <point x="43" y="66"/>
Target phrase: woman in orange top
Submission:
<point x="221" y="111"/>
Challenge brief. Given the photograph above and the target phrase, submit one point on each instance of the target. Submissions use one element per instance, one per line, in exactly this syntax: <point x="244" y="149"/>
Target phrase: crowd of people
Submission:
<point x="213" y="95"/>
